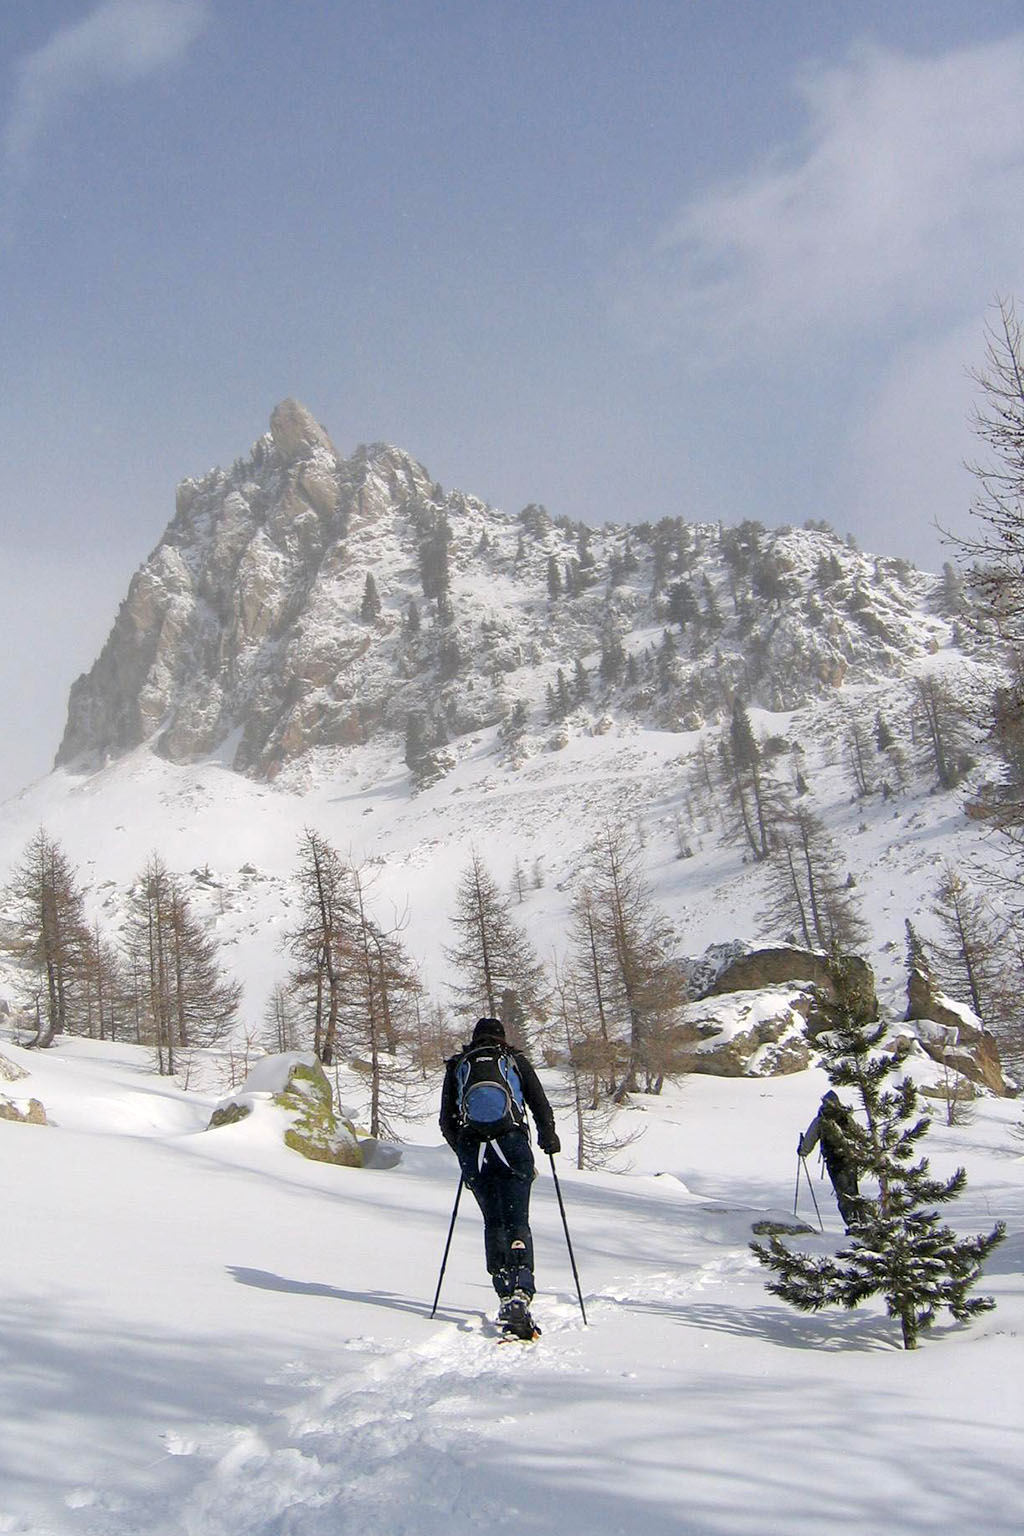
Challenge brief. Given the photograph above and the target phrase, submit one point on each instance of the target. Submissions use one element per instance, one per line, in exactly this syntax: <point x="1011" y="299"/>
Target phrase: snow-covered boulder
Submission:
<point x="295" y="1083"/>
<point x="953" y="1036"/>
<point x="9" y="1070"/>
<point x="759" y="1033"/>
<point x="23" y="1111"/>
<point x="784" y="964"/>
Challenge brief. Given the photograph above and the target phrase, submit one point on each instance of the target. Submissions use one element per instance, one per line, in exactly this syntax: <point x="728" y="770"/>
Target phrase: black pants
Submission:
<point x="848" y="1199"/>
<point x="500" y="1175"/>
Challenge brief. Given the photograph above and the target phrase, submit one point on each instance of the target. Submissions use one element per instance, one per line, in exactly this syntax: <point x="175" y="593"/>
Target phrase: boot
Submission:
<point x="514" y="1318"/>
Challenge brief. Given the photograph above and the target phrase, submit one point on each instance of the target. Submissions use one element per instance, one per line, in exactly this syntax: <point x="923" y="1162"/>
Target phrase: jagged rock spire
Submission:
<point x="295" y="432"/>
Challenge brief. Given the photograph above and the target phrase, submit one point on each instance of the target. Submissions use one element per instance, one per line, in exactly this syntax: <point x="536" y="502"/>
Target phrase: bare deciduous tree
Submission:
<point x="44" y="929"/>
<point x="496" y="966"/>
<point x="624" y="966"/>
<point x="807" y="892"/>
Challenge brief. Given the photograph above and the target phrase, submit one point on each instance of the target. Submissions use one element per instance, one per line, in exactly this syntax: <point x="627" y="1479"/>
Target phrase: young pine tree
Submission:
<point x="899" y="1249"/>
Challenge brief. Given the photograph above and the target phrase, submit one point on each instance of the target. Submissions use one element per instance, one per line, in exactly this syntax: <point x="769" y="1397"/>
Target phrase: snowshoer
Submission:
<point x="833" y="1127"/>
<point x="488" y="1086"/>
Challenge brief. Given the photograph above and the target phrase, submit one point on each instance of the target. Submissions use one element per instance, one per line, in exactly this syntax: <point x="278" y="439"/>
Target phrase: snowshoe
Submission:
<point x="515" y="1320"/>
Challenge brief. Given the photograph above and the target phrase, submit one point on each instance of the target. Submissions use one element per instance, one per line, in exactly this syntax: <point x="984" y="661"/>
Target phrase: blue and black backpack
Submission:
<point x="488" y="1092"/>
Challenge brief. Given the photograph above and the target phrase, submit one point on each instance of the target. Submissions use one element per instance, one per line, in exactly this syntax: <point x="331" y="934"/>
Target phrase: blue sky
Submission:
<point x="708" y="259"/>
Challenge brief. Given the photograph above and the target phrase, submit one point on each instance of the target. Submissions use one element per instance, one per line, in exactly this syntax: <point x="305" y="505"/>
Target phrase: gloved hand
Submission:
<point x="548" y="1141"/>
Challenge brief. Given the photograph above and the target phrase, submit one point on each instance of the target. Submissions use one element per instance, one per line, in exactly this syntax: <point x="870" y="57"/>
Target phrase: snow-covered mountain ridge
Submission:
<point x="250" y="629"/>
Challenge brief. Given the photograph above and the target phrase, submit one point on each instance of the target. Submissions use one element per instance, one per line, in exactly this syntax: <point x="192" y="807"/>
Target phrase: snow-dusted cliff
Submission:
<point x="251" y="630"/>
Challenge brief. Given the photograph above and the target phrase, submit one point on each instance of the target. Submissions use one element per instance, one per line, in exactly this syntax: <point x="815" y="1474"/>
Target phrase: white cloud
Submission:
<point x="901" y="474"/>
<point x="901" y="202"/>
<point x="118" y="42"/>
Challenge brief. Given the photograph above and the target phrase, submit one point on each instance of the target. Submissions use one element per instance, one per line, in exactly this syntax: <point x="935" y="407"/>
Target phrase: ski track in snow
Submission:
<point x="399" y="1450"/>
<point x="374" y="1454"/>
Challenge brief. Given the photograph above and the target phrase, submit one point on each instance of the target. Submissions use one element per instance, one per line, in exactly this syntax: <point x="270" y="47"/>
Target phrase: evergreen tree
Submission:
<point x="370" y="607"/>
<point x="756" y="799"/>
<point x="433" y="556"/>
<point x="899" y="1249"/>
<point x="683" y="607"/>
<point x="613" y="656"/>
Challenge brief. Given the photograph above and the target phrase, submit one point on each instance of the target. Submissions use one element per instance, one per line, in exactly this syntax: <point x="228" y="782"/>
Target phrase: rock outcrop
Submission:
<point x="954" y="1037"/>
<point x="757" y="1033"/>
<point x="296" y="1087"/>
<point x="23" y="1111"/>
<point x="10" y="1072"/>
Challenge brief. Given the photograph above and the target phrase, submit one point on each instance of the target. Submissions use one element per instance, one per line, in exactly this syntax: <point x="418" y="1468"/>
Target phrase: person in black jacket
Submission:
<point x="500" y="1169"/>
<point x="834" y="1126"/>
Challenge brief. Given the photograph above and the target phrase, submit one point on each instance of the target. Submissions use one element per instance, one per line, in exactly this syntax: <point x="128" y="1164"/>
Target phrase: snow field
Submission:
<point x="203" y="1334"/>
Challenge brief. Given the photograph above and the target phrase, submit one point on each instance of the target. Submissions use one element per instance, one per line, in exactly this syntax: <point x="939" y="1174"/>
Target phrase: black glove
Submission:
<point x="549" y="1142"/>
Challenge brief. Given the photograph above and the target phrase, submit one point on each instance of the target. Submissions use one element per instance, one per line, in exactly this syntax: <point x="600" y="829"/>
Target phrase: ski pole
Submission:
<point x="451" y="1229"/>
<point x="796" y="1192"/>
<point x="810" y="1186"/>
<point x="568" y="1239"/>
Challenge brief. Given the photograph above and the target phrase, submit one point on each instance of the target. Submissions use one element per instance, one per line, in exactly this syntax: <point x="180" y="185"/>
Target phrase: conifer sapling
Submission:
<point x="899" y="1248"/>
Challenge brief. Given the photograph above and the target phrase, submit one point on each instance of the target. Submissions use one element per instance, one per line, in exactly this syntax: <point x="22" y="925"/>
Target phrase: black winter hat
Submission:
<point x="489" y="1029"/>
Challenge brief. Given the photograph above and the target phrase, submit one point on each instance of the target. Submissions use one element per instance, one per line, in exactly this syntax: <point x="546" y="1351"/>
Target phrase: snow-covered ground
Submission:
<point x="203" y="1333"/>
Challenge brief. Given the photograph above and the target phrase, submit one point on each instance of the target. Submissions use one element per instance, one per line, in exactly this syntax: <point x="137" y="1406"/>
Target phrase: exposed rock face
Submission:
<point x="953" y="1035"/>
<point x="9" y="1070"/>
<point x="762" y="1034"/>
<point x="297" y="1084"/>
<point x="245" y="632"/>
<point x="784" y="965"/>
<point x="295" y="434"/>
<point x="23" y="1111"/>
<point x="245" y="619"/>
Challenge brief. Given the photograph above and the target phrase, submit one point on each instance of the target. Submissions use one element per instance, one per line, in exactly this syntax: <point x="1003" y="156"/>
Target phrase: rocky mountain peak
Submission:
<point x="301" y="601"/>
<point x="295" y="432"/>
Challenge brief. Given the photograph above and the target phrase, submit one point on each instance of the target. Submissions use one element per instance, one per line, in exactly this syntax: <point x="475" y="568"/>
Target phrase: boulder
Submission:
<point x="952" y="1034"/>
<point x="786" y="965"/>
<point x="10" y="1071"/>
<point x="296" y="1083"/>
<point x="23" y="1111"/>
<point x="759" y="1033"/>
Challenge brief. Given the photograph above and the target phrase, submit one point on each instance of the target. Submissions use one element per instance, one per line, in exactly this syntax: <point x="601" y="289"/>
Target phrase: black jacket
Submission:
<point x="832" y="1126"/>
<point x="534" y="1095"/>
